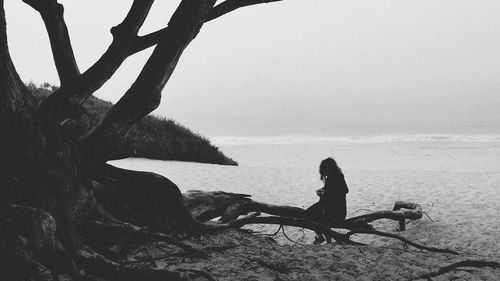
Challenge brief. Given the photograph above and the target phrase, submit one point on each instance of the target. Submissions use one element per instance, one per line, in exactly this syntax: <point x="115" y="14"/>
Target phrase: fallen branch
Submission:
<point x="456" y="266"/>
<point x="403" y="239"/>
<point x="401" y="212"/>
<point x="302" y="223"/>
<point x="205" y="205"/>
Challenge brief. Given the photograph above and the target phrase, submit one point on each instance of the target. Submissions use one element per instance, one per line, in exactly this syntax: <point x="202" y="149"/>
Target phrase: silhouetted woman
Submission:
<point x="332" y="197"/>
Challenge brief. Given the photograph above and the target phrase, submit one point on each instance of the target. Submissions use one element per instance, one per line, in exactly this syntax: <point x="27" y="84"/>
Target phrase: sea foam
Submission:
<point x="282" y="140"/>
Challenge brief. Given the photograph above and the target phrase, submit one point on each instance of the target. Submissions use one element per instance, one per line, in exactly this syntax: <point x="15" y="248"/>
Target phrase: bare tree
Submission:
<point x="53" y="188"/>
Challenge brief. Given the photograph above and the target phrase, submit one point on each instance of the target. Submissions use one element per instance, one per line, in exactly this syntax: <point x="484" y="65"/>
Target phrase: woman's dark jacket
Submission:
<point x="333" y="201"/>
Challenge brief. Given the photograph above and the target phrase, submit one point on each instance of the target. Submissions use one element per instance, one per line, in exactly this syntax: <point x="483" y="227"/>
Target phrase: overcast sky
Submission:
<point x="295" y="67"/>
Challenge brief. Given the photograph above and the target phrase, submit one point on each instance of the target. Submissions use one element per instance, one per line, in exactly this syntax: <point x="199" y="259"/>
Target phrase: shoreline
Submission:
<point x="353" y="138"/>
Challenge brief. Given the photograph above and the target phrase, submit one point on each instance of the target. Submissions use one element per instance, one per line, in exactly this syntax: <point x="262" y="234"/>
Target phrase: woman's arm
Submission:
<point x="336" y="185"/>
<point x="320" y="191"/>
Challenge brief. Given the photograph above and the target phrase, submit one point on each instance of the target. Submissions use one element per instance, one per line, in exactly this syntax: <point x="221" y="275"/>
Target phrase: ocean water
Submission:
<point x="455" y="178"/>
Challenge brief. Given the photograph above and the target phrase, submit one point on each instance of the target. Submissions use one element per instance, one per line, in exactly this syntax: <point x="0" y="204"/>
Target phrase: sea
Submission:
<point x="456" y="178"/>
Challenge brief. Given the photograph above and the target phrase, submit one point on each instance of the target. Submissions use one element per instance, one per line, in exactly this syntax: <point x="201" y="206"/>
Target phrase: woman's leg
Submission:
<point x="316" y="213"/>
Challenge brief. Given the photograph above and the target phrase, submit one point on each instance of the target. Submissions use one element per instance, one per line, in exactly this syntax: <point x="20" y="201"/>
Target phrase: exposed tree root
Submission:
<point x="113" y="230"/>
<point x="454" y="266"/>
<point x="111" y="270"/>
<point x="144" y="198"/>
<point x="108" y="230"/>
<point x="303" y="223"/>
<point x="17" y="263"/>
<point x="30" y="245"/>
<point x="401" y="238"/>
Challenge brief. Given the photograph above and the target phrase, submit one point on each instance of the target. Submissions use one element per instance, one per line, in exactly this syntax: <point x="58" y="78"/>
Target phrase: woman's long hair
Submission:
<point x="329" y="167"/>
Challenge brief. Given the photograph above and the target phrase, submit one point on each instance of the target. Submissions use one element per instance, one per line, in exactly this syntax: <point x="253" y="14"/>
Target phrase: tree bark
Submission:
<point x="13" y="95"/>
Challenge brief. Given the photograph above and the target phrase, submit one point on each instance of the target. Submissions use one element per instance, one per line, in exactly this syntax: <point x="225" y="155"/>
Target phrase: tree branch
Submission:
<point x="401" y="238"/>
<point x="466" y="263"/>
<point x="124" y="37"/>
<point x="304" y="223"/>
<point x="231" y="5"/>
<point x="401" y="212"/>
<point x="125" y="43"/>
<point x="62" y="51"/>
<point x="149" y="40"/>
<point x="206" y="205"/>
<point x="145" y="93"/>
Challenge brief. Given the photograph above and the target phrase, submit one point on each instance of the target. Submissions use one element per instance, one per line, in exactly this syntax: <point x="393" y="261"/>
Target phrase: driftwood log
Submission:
<point x="229" y="206"/>
<point x="401" y="212"/>
<point x="458" y="265"/>
<point x="207" y="205"/>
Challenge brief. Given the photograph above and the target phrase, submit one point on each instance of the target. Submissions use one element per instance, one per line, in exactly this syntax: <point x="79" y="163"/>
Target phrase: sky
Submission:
<point x="297" y="67"/>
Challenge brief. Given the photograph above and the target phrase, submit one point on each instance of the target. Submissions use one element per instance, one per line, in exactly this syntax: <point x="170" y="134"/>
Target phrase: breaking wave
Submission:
<point x="264" y="140"/>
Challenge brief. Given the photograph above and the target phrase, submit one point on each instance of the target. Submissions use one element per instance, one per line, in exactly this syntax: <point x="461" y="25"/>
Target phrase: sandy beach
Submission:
<point x="235" y="255"/>
<point x="457" y="184"/>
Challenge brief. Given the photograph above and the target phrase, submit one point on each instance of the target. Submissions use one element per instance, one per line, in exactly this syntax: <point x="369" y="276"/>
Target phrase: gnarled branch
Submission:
<point x="145" y="93"/>
<point x="64" y="58"/>
<point x="206" y="205"/>
<point x="124" y="37"/>
<point x="402" y="239"/>
<point x="303" y="223"/>
<point x="149" y="40"/>
<point x="453" y="266"/>
<point x="401" y="212"/>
